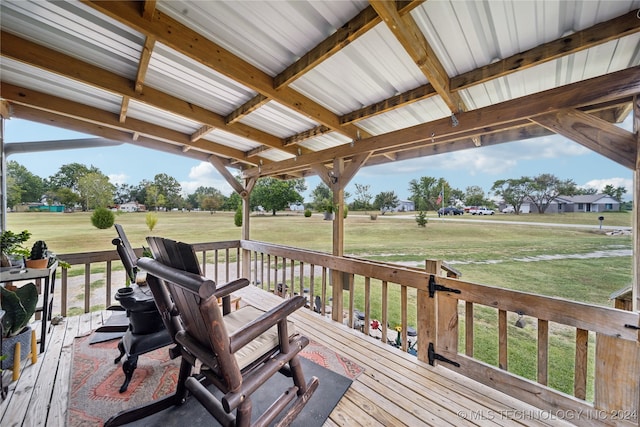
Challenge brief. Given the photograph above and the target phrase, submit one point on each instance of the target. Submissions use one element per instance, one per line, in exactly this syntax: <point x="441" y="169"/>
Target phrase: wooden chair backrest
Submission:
<point x="126" y="253"/>
<point x="182" y="256"/>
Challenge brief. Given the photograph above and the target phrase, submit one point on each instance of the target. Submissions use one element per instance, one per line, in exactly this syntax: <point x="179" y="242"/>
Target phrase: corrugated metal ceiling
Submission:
<point x="271" y="35"/>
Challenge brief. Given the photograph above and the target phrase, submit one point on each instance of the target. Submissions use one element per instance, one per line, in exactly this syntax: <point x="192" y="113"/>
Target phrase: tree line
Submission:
<point x="85" y="187"/>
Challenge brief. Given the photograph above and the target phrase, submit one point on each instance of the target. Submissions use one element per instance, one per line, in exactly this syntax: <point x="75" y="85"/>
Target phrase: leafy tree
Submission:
<point x="232" y="202"/>
<point x="362" y="198"/>
<point x="170" y="189"/>
<point x="513" y="191"/>
<point x="475" y="196"/>
<point x="69" y="175"/>
<point x="385" y="201"/>
<point x="212" y="197"/>
<point x="426" y="190"/>
<point x="65" y="196"/>
<point x="123" y="193"/>
<point x="320" y="196"/>
<point x="212" y="203"/>
<point x="22" y="185"/>
<point x="615" y="192"/>
<point x="14" y="192"/>
<point x="275" y="194"/>
<point x="153" y="197"/>
<point x="546" y="187"/>
<point x="95" y="190"/>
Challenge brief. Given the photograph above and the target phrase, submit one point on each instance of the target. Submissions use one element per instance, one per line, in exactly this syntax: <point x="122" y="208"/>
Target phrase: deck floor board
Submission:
<point x="394" y="389"/>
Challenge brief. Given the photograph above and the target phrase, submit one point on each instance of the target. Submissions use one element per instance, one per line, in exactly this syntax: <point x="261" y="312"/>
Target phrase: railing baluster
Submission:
<point x="384" y="315"/>
<point x="403" y="316"/>
<point x="502" y="339"/>
<point x="582" y="347"/>
<point x="108" y="285"/>
<point x="350" y="284"/>
<point x="204" y="263"/>
<point x="64" y="289"/>
<point x="312" y="291"/>
<point x="468" y="328"/>
<point x="226" y="265"/>
<point x="367" y="304"/>
<point x="87" y="287"/>
<point x="543" y="351"/>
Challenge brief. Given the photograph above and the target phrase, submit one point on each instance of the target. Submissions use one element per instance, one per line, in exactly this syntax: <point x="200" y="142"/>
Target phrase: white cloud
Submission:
<point x="205" y="175"/>
<point x="118" y="178"/>
<point x="599" y="184"/>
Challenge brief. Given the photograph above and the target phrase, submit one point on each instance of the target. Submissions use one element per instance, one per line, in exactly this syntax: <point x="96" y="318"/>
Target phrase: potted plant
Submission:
<point x="19" y="306"/>
<point x="39" y="256"/>
<point x="329" y="210"/>
<point x="12" y="247"/>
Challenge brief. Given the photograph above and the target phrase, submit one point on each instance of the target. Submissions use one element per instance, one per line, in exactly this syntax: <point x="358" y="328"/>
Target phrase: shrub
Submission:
<point x="373" y="217"/>
<point x="421" y="219"/>
<point x="103" y="218"/>
<point x="151" y="219"/>
<point x="346" y="211"/>
<point x="237" y="218"/>
<point x="307" y="213"/>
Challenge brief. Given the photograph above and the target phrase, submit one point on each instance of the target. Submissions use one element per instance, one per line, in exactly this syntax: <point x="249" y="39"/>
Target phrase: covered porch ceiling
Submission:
<point x="297" y="88"/>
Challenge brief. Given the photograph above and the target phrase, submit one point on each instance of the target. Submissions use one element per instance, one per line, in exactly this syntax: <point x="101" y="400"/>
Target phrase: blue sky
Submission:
<point x="482" y="166"/>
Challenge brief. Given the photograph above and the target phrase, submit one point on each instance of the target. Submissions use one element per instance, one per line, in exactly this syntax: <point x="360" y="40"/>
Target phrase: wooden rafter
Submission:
<point x="598" y="34"/>
<point x="201" y="132"/>
<point x="605" y="88"/>
<point x="56" y="62"/>
<point x="124" y="107"/>
<point x="412" y="39"/>
<point x="197" y="47"/>
<point x="98" y="119"/>
<point x="247" y="108"/>
<point x="143" y="65"/>
<point x="148" y="9"/>
<point x="356" y="27"/>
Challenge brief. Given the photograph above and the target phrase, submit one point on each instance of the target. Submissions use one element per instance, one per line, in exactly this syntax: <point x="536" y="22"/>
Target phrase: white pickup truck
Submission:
<point x="481" y="211"/>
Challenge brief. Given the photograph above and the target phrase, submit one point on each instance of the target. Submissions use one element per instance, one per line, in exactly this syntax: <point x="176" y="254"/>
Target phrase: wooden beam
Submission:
<point x="307" y="134"/>
<point x="97" y="119"/>
<point x="414" y="95"/>
<point x="199" y="48"/>
<point x="414" y="42"/>
<point x="56" y="62"/>
<point x="233" y="182"/>
<point x="124" y="107"/>
<point x="596" y="134"/>
<point x="148" y="9"/>
<point x="352" y="168"/>
<point x="605" y="88"/>
<point x="603" y="32"/>
<point x="200" y="133"/>
<point x="247" y="108"/>
<point x="143" y="65"/>
<point x="342" y="37"/>
<point x="5" y="109"/>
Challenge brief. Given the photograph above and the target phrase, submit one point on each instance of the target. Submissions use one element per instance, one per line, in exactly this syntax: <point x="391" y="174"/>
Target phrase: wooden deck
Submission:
<point x="395" y="388"/>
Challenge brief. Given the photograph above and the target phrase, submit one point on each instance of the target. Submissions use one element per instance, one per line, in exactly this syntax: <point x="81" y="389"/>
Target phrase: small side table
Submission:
<point x="45" y="301"/>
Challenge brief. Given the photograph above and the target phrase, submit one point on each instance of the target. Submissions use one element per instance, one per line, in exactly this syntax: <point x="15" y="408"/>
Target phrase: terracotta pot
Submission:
<point x="37" y="263"/>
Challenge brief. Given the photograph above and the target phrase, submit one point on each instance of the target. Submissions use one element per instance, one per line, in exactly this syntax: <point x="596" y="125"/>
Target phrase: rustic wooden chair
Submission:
<point x="235" y="353"/>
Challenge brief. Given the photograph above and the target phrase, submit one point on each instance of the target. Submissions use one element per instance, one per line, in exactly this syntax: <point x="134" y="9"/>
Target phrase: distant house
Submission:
<point x="299" y="207"/>
<point x="405" y="206"/>
<point x="584" y="203"/>
<point x="132" y="207"/>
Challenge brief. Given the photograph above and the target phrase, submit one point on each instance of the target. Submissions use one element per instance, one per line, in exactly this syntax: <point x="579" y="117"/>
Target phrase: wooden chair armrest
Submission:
<point x="228" y="288"/>
<point x="253" y="329"/>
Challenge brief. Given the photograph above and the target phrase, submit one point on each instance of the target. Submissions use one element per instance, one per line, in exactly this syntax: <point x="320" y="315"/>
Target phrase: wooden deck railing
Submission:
<point x="428" y="302"/>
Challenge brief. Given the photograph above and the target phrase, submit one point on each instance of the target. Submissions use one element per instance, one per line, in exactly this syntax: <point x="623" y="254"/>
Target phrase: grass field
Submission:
<point x="581" y="264"/>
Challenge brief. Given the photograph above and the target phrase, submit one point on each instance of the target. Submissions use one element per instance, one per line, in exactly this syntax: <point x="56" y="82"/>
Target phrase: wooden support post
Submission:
<point x="427" y="315"/>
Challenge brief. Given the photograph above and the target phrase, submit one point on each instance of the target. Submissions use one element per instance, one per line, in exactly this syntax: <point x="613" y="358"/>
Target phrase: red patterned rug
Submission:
<point x="96" y="380"/>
